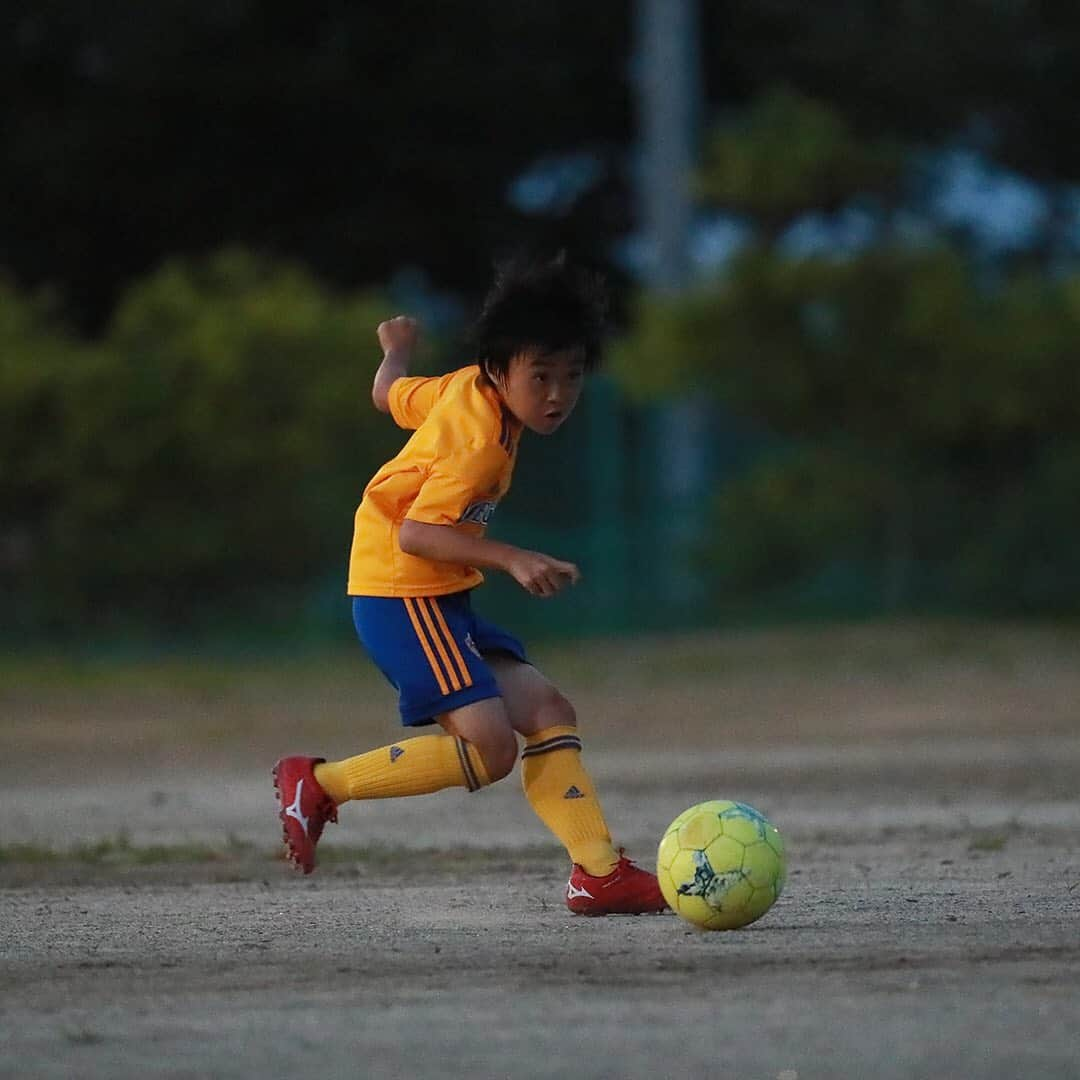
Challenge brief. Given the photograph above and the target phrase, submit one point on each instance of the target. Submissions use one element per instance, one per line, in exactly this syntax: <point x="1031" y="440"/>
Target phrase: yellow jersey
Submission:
<point x="454" y="469"/>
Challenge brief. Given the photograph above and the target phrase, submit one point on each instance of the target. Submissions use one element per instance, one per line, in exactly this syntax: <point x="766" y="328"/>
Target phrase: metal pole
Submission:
<point x="668" y="92"/>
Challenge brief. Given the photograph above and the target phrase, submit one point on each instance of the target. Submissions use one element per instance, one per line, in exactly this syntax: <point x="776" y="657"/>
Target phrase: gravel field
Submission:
<point x="930" y="927"/>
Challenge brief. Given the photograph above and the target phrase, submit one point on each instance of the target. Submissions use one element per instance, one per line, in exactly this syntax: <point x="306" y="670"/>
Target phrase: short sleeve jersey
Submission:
<point x="453" y="471"/>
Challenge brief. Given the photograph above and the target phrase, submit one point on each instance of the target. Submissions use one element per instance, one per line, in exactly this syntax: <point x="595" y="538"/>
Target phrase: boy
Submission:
<point x="418" y="549"/>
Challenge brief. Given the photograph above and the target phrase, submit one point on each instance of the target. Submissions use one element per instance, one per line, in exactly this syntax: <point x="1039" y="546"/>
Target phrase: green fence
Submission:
<point x="605" y="493"/>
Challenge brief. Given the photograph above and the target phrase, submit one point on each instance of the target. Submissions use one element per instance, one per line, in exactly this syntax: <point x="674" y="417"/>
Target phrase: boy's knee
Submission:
<point x="499" y="756"/>
<point x="554" y="710"/>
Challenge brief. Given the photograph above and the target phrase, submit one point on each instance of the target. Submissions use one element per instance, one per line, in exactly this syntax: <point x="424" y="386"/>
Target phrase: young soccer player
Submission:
<point x="418" y="551"/>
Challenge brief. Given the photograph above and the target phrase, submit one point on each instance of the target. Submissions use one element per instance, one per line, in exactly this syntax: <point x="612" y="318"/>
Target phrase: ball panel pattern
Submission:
<point x="669" y="848"/>
<point x="760" y="865"/>
<point x="700" y="830"/>
<point x="721" y="864"/>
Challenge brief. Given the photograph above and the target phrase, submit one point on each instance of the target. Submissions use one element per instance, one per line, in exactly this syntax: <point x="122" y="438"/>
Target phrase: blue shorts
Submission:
<point x="432" y="650"/>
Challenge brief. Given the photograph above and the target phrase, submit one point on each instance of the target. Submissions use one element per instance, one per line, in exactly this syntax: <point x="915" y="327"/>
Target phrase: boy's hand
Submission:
<point x="398" y="334"/>
<point x="540" y="574"/>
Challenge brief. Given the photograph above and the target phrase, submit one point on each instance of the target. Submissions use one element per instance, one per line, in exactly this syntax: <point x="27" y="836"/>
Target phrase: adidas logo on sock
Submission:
<point x="572" y="792"/>
<point x="395" y="753"/>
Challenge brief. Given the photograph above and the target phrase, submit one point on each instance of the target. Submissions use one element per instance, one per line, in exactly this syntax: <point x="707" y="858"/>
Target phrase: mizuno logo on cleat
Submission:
<point x="293" y="811"/>
<point x="572" y="891"/>
<point x="395" y="752"/>
<point x="572" y="792"/>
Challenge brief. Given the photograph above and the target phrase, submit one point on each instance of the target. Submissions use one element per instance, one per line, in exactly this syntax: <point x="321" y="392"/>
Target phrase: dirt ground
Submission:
<point x="925" y="778"/>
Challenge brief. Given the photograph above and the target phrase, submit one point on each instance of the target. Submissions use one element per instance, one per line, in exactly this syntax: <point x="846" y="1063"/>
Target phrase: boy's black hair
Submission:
<point x="541" y="305"/>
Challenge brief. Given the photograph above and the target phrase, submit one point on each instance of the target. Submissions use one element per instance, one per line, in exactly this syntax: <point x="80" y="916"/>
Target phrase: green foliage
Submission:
<point x="806" y="346"/>
<point x="788" y="154"/>
<point x="39" y="368"/>
<point x="918" y="70"/>
<point x="207" y="448"/>
<point x="791" y="512"/>
<point x="928" y="416"/>
<point x="1025" y="550"/>
<point x="930" y="422"/>
<point x="895" y="346"/>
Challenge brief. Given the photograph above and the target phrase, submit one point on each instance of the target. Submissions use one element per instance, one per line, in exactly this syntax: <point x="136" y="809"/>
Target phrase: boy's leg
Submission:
<point x="479" y="749"/>
<point x="556" y="783"/>
<point x="416" y="766"/>
<point x="420" y="645"/>
<point x="603" y="881"/>
<point x="484" y="727"/>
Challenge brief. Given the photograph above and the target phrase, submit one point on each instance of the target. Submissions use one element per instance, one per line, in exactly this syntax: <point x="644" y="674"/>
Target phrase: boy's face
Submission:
<point x="541" y="391"/>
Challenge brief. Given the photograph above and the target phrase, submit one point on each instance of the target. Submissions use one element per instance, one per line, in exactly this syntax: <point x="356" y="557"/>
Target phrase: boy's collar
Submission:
<point x="510" y="427"/>
<point x="490" y="391"/>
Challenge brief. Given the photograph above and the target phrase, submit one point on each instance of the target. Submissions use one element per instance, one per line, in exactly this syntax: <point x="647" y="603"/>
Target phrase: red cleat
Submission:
<point x="627" y="890"/>
<point x="305" y="808"/>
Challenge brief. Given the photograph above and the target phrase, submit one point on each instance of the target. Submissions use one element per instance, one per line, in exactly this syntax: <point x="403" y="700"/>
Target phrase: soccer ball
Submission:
<point x="721" y="865"/>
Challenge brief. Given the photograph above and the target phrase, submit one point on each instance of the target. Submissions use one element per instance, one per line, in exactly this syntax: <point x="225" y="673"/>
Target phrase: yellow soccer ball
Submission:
<point x="721" y="865"/>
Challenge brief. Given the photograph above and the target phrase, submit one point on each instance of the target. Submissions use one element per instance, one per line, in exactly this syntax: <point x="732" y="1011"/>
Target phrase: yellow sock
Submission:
<point x="562" y="794"/>
<point x="416" y="766"/>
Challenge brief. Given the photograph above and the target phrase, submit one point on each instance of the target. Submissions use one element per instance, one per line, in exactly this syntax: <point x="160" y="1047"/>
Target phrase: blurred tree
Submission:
<point x="917" y="71"/>
<point x="363" y="137"/>
<point x="200" y="457"/>
<point x="998" y="76"/>
<point x="922" y="403"/>
<point x="356" y="137"/>
<point x="786" y="155"/>
<point x="901" y="387"/>
<point x="38" y="364"/>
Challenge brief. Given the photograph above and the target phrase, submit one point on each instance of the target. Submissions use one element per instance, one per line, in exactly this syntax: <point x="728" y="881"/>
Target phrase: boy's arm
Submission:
<point x="535" y="572"/>
<point x="397" y="336"/>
